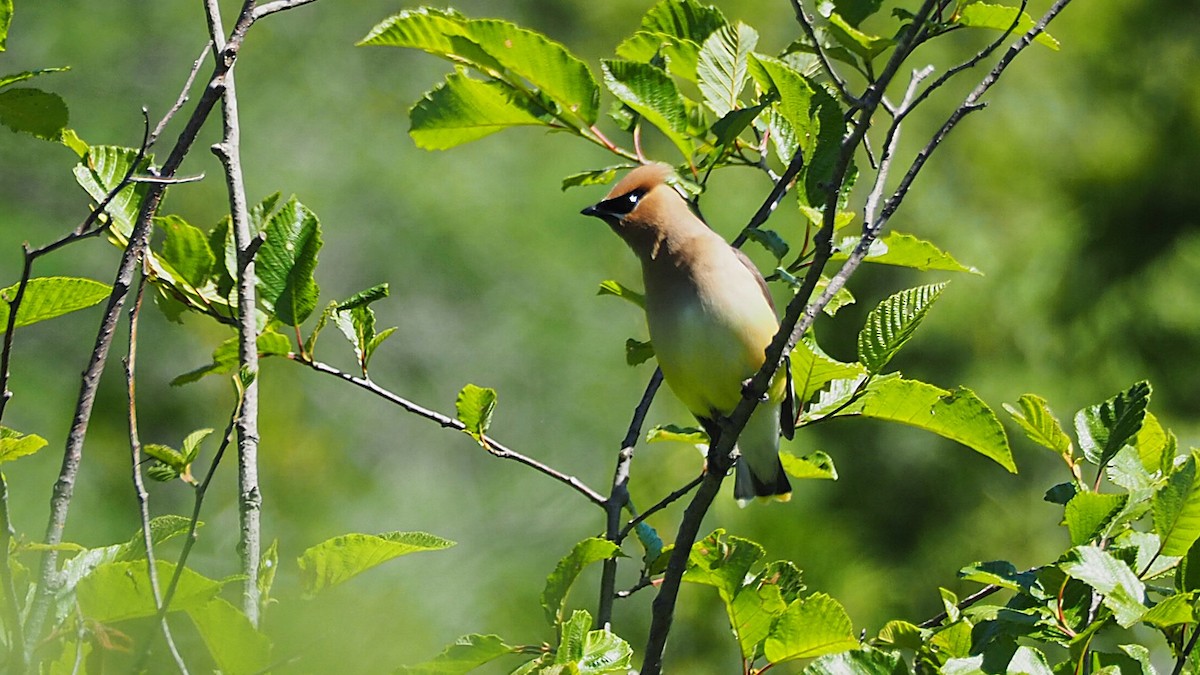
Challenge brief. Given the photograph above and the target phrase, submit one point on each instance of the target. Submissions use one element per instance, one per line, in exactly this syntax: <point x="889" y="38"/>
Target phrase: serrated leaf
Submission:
<point x="734" y="122"/>
<point x="1123" y="592"/>
<point x="959" y="415"/>
<point x="1088" y="515"/>
<point x="1176" y="508"/>
<point x="812" y="369"/>
<point x="619" y="290"/>
<point x="1153" y="443"/>
<point x="34" y="112"/>
<point x="1104" y="428"/>
<point x="1001" y="18"/>
<point x="341" y="558"/>
<point x="15" y="445"/>
<point x="816" y="465"/>
<point x="524" y="54"/>
<point x="225" y="356"/>
<point x="594" y="177"/>
<point x="286" y="262"/>
<point x="13" y="78"/>
<point x="903" y="250"/>
<point x="461" y="110"/>
<point x="6" y="10"/>
<point x="50" y="297"/>
<point x="652" y="94"/>
<point x="100" y="171"/>
<point x="814" y="626"/>
<point x="186" y="249"/>
<point x="723" y="65"/>
<point x="604" y="652"/>
<point x="1173" y="610"/>
<point x="722" y="562"/>
<point x="118" y="591"/>
<point x="365" y="297"/>
<point x="673" y="432"/>
<point x="768" y="239"/>
<point x="463" y="655"/>
<point x="190" y="447"/>
<point x="999" y="573"/>
<point x="558" y="584"/>
<point x="1040" y="424"/>
<point x="865" y="46"/>
<point x="681" y="55"/>
<point x="752" y="612"/>
<point x="234" y="643"/>
<point x="685" y="19"/>
<point x="165" y="454"/>
<point x="475" y="406"/>
<point x="892" y="323"/>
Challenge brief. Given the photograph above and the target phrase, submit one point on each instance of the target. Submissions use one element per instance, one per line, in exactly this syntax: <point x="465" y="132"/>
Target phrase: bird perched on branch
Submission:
<point x="710" y="318"/>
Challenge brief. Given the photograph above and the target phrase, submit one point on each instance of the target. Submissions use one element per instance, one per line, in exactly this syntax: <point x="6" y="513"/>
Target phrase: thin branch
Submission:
<point x="618" y="498"/>
<point x="64" y="486"/>
<point x="963" y="604"/>
<point x="249" y="491"/>
<point x="492" y="445"/>
<point x="806" y="24"/>
<point x="277" y="6"/>
<point x="135" y="452"/>
<point x="660" y="505"/>
<point x="1187" y="652"/>
<point x="183" y="95"/>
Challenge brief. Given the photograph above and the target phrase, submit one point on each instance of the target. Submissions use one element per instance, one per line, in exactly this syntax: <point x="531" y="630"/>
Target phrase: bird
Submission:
<point x="710" y="318"/>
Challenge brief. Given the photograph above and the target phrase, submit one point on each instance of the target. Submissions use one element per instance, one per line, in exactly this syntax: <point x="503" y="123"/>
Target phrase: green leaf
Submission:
<point x="341" y="558"/>
<point x="812" y="369"/>
<point x="34" y="112"/>
<point x="1001" y="18"/>
<point x="50" y="297"/>
<point x="814" y="626"/>
<point x="186" y="250"/>
<point x="673" y="432"/>
<point x="491" y="45"/>
<point x="722" y="562"/>
<point x="102" y="170"/>
<point x="1089" y="514"/>
<point x="1154" y="445"/>
<point x="461" y="110"/>
<point x="1040" y="424"/>
<point x="892" y="323"/>
<point x="117" y="591"/>
<point x="619" y="290"/>
<point x="903" y="250"/>
<point x="1173" y="610"/>
<point x="558" y="584"/>
<point x="268" y="565"/>
<point x="1104" y="428"/>
<point x="475" y="406"/>
<point x="768" y="239"/>
<point x="1176" y="508"/>
<point x="815" y="465"/>
<point x="13" y="78"/>
<point x="841" y="297"/>
<point x="6" y="11"/>
<point x="1122" y="590"/>
<point x="464" y="655"/>
<point x="15" y="445"/>
<point x="757" y="604"/>
<point x="858" y="42"/>
<point x="999" y="573"/>
<point x="685" y="19"/>
<point x="734" y="122"/>
<point x="364" y="298"/>
<point x="865" y="661"/>
<point x="235" y="645"/>
<point x="286" y="262"/>
<point x="959" y="415"/>
<point x="792" y="126"/>
<point x="594" y="177"/>
<point x="652" y="94"/>
<point x="571" y="638"/>
<point x="638" y="352"/>
<point x="604" y="652"/>
<point x="225" y="356"/>
<point x="165" y="454"/>
<point x="722" y="67"/>
<point x="681" y="55"/>
<point x="191" y="444"/>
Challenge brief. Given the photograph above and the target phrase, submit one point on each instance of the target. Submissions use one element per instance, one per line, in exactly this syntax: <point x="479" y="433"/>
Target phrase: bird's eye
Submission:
<point x="623" y="204"/>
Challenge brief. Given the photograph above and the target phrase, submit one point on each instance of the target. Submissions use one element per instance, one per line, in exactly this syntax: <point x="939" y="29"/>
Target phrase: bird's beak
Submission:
<point x="592" y="211"/>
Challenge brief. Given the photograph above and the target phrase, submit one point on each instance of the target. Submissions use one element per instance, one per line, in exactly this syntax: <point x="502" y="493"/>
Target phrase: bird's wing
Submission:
<point x="762" y="283"/>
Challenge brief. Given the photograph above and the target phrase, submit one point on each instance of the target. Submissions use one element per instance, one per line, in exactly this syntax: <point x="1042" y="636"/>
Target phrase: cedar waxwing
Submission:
<point x="710" y="318"/>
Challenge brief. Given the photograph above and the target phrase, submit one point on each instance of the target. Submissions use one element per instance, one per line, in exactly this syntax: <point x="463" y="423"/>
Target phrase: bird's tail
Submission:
<point x="759" y="472"/>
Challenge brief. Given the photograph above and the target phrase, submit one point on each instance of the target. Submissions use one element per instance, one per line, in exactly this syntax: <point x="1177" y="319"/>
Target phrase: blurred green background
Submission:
<point x="1075" y="192"/>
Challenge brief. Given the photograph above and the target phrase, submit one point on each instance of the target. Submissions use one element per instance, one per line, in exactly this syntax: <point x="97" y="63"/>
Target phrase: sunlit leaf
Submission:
<point x="462" y="109"/>
<point x="723" y="66"/>
<point x="1040" y="424"/>
<point x="225" y="356"/>
<point x="341" y="558"/>
<point x="475" y="406"/>
<point x="117" y="591"/>
<point x="903" y="250"/>
<point x="558" y="584"/>
<point x="672" y="432"/>
<point x="652" y="94"/>
<point x="814" y="626"/>
<point x="892" y="323"/>
<point x="619" y="290"/>
<point x="50" y="297"/>
<point x="1123" y="592"/>
<point x="463" y="655"/>
<point x="286" y="262"/>
<point x="102" y="170"/>
<point x="1105" y="428"/>
<point x="812" y="369"/>
<point x="1088" y="515"/>
<point x="817" y="465"/>
<point x="15" y="445"/>
<point x="1176" y="508"/>
<point x="234" y="643"/>
<point x="1001" y="18"/>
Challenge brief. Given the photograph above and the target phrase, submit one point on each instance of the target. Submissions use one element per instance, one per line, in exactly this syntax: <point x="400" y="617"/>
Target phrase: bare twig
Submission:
<point x="493" y="446"/>
<point x="183" y="95"/>
<point x="618" y="498"/>
<point x="249" y="491"/>
<point x="806" y="24"/>
<point x="277" y="6"/>
<point x="660" y="505"/>
<point x="135" y="452"/>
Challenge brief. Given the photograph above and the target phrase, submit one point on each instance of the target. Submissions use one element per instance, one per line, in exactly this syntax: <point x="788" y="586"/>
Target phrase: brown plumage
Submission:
<point x="709" y="313"/>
